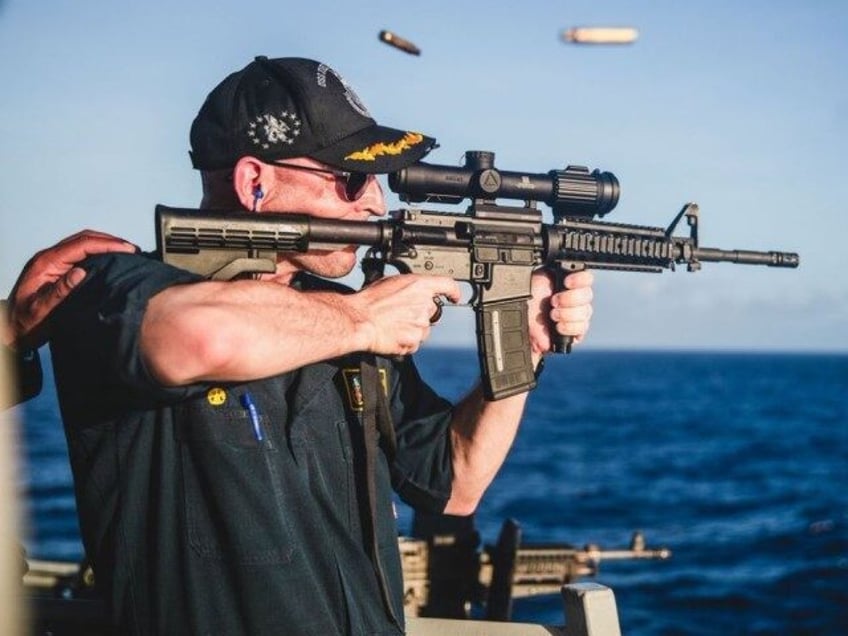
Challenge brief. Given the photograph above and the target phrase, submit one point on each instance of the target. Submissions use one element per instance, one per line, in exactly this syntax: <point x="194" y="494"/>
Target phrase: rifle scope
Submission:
<point x="571" y="192"/>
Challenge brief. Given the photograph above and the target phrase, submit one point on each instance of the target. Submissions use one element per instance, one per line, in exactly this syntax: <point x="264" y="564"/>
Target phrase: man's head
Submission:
<point x="294" y="107"/>
<point x="290" y="134"/>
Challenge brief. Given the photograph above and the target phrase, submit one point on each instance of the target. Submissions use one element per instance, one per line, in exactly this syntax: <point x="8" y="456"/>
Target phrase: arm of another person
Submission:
<point x="244" y="330"/>
<point x="45" y="281"/>
<point x="482" y="432"/>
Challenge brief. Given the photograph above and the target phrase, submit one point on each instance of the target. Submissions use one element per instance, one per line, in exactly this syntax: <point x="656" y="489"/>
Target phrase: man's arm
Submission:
<point x="244" y="330"/>
<point x="45" y="281"/>
<point x="482" y="432"/>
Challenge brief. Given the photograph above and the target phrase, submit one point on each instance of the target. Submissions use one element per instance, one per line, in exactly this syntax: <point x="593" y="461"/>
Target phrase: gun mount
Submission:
<point x="446" y="574"/>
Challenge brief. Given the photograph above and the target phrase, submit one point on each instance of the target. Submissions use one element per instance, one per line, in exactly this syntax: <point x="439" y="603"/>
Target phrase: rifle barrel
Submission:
<point x="609" y="555"/>
<point x="748" y="257"/>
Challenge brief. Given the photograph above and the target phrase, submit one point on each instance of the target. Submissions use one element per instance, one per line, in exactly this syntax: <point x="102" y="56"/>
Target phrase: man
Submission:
<point x="45" y="281"/>
<point x="221" y="433"/>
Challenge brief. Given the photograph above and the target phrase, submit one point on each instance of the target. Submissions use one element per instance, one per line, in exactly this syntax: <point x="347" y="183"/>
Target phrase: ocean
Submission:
<point x="736" y="462"/>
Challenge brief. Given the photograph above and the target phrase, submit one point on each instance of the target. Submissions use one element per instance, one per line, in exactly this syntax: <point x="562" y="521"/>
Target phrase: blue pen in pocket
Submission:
<point x="247" y="403"/>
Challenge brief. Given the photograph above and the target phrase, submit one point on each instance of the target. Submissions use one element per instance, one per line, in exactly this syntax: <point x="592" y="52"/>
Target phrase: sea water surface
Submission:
<point x="736" y="462"/>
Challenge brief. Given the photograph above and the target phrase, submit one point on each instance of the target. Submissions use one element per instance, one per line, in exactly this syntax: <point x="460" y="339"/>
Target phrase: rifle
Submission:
<point x="494" y="248"/>
<point x="445" y="573"/>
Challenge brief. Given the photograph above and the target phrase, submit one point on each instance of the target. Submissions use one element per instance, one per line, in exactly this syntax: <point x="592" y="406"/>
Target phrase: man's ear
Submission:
<point x="251" y="181"/>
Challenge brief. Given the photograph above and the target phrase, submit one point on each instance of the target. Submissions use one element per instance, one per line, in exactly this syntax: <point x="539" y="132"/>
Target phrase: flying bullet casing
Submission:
<point x="399" y="43"/>
<point x="600" y="35"/>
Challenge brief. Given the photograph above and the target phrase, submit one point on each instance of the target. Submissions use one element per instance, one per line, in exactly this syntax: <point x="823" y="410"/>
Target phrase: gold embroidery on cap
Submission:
<point x="371" y="153"/>
<point x="216" y="396"/>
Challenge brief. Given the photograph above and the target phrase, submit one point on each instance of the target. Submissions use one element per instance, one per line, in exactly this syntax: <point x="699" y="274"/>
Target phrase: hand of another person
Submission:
<point x="46" y="280"/>
<point x="569" y="311"/>
<point x="397" y="310"/>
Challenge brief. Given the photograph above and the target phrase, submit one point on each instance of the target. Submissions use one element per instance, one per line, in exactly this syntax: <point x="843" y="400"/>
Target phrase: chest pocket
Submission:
<point x="236" y="505"/>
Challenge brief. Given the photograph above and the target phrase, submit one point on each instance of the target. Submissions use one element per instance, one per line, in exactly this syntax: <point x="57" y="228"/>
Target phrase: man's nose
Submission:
<point x="372" y="200"/>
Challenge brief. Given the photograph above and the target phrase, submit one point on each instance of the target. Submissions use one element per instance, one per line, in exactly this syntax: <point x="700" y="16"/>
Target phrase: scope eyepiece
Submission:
<point x="571" y="192"/>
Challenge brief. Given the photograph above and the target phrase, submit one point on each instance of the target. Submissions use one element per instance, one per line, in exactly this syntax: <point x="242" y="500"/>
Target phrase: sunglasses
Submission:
<point x="354" y="182"/>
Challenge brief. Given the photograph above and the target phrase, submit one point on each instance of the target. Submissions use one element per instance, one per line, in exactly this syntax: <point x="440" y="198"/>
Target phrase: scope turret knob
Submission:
<point x="479" y="159"/>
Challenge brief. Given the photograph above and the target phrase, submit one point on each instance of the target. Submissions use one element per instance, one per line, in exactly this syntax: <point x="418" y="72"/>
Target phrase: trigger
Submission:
<point x="438" y="302"/>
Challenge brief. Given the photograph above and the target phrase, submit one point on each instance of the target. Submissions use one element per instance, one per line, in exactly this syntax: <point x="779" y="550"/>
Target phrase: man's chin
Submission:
<point x="330" y="263"/>
<point x="350" y="249"/>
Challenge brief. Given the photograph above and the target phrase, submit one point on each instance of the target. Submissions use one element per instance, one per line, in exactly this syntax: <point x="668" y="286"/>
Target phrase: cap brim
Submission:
<point x="376" y="150"/>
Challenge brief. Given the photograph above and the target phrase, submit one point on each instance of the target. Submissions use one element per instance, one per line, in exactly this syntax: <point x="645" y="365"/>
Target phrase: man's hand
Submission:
<point x="568" y="311"/>
<point x="46" y="280"/>
<point x="396" y="312"/>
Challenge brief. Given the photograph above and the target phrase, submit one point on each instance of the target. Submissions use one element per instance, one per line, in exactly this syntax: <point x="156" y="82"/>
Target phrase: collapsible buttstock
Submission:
<point x="504" y="350"/>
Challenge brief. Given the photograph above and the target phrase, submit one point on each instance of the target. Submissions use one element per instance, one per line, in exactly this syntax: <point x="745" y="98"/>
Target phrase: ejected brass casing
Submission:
<point x="399" y="43"/>
<point x="600" y="35"/>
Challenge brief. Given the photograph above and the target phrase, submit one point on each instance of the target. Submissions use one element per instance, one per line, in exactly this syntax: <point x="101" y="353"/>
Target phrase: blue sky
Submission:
<point x="739" y="106"/>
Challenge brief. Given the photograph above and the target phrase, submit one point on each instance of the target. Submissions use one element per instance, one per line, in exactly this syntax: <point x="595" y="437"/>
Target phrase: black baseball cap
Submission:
<point x="293" y="107"/>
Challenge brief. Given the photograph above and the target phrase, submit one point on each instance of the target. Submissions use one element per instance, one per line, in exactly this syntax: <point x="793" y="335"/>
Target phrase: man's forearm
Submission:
<point x="244" y="330"/>
<point x="482" y="432"/>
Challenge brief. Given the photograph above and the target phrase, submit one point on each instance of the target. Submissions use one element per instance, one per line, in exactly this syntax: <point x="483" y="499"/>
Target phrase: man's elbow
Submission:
<point x="461" y="506"/>
<point x="181" y="358"/>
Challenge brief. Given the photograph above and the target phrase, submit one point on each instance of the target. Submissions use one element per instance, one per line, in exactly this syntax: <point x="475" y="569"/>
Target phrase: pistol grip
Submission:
<point x="560" y="343"/>
<point x="504" y="348"/>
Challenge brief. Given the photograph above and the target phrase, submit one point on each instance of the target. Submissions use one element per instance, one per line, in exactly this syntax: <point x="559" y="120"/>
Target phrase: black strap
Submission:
<point x="384" y="419"/>
<point x="375" y="416"/>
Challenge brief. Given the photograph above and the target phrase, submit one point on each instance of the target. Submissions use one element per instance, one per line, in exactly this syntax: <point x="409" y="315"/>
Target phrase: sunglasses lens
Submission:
<point x="355" y="186"/>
